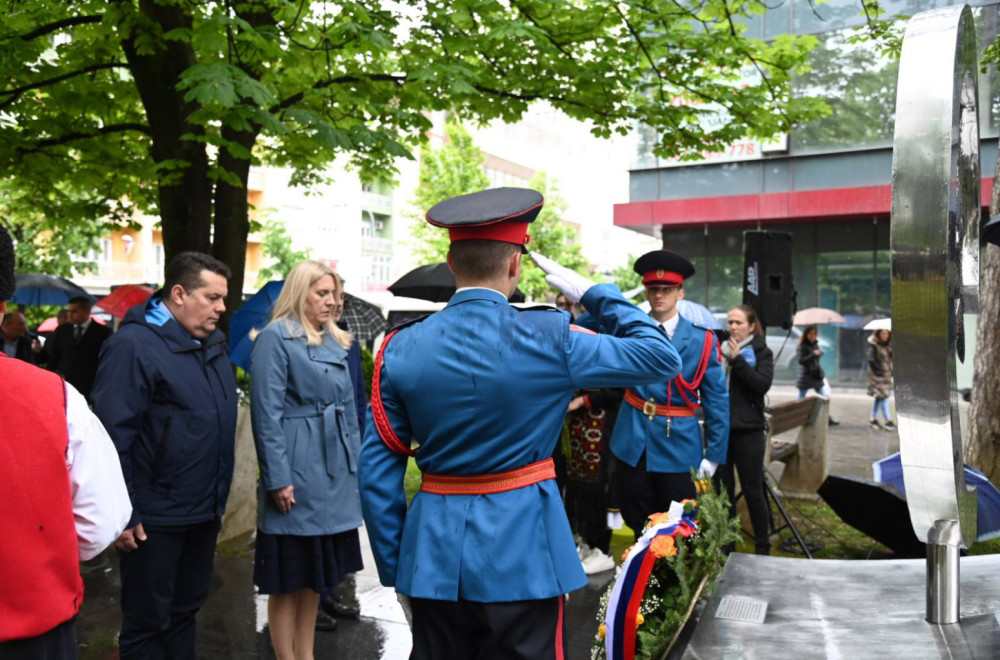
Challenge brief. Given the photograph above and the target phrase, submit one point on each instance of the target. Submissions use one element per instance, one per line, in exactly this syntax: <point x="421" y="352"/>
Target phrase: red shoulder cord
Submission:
<point x="382" y="425"/>
<point x="684" y="387"/>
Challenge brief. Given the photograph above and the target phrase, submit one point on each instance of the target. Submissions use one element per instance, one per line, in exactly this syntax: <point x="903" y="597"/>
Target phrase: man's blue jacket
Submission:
<point x="483" y="388"/>
<point x="169" y="404"/>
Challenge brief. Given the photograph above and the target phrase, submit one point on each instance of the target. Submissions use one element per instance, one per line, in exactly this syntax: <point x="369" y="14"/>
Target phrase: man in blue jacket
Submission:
<point x="166" y="393"/>
<point x="477" y="392"/>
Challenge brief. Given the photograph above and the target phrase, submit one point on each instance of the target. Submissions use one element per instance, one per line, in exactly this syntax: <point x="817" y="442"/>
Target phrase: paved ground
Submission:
<point x="232" y="624"/>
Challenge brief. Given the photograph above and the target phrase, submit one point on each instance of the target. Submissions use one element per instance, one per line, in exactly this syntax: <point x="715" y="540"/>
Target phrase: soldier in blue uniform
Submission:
<point x="657" y="438"/>
<point x="477" y="393"/>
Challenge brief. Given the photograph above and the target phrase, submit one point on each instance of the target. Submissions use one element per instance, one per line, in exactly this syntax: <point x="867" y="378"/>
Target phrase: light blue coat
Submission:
<point x="305" y="427"/>
<point x="483" y="388"/>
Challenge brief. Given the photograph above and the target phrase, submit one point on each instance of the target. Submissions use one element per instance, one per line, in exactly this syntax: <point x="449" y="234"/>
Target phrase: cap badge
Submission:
<point x="660" y="273"/>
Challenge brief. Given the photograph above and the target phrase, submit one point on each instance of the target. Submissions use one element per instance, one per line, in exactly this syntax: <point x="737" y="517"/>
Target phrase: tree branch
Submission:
<point x="323" y="84"/>
<point x="58" y="25"/>
<point x="71" y="137"/>
<point x="17" y="91"/>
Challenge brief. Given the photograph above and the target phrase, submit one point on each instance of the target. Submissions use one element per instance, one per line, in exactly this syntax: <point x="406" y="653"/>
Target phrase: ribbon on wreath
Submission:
<point x="630" y="585"/>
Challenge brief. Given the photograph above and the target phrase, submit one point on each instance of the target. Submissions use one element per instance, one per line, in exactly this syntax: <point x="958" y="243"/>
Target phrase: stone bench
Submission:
<point x="799" y="464"/>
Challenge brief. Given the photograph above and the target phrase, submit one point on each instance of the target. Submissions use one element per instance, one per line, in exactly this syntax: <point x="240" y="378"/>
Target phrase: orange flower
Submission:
<point x="663" y="546"/>
<point x="601" y="631"/>
<point x="658" y="518"/>
<point x="639" y="619"/>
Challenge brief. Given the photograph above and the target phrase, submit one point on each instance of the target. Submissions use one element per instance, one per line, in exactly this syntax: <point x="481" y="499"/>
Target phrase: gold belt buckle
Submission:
<point x="649" y="408"/>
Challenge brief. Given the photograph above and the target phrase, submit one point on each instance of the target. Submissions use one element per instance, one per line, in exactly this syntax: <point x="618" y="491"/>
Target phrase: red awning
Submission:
<point x="769" y="208"/>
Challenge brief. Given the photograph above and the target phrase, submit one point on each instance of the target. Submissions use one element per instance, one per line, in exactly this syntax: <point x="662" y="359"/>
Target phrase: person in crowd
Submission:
<point x="657" y="438"/>
<point x="562" y="302"/>
<point x="590" y="505"/>
<point x="749" y="369"/>
<point x="166" y="392"/>
<point x="810" y="374"/>
<point x="880" y="378"/>
<point x="62" y="317"/>
<point x="16" y="342"/>
<point x="74" y="347"/>
<point x="64" y="500"/>
<point x="478" y="393"/>
<point x="307" y="434"/>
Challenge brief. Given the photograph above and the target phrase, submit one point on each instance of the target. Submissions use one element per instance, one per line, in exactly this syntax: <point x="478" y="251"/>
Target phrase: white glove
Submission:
<point x="573" y="285"/>
<point x="614" y="520"/>
<point x="707" y="469"/>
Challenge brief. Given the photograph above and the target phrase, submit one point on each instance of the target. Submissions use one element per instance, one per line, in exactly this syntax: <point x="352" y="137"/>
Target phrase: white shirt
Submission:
<point x="670" y="325"/>
<point x="83" y="327"/>
<point x="101" y="505"/>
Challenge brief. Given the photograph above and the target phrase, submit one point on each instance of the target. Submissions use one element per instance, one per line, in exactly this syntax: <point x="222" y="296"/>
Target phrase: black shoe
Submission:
<point x="832" y="422"/>
<point x="874" y="424"/>
<point x="339" y="609"/>
<point x="324" y="621"/>
<point x="890" y="426"/>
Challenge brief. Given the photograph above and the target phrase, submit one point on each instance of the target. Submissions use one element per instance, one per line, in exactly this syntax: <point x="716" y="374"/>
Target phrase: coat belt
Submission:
<point x="333" y="422"/>
<point x="486" y="484"/>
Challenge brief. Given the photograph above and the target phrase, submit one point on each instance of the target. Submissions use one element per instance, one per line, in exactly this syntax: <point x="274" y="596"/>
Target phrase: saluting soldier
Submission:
<point x="477" y="393"/>
<point x="657" y="438"/>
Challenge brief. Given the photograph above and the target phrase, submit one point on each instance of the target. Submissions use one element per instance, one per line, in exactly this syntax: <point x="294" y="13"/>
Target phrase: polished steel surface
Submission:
<point x="935" y="259"/>
<point x="852" y="610"/>
<point x="943" y="581"/>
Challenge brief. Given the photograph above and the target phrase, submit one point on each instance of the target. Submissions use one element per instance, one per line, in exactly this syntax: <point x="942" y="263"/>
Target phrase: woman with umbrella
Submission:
<point x="306" y="430"/>
<point x="880" y="378"/>
<point x="811" y="376"/>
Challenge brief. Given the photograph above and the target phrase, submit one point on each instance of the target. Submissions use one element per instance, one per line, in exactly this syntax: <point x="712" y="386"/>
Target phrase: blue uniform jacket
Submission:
<point x="483" y="387"/>
<point x="681" y="451"/>
<point x="169" y="404"/>
<point x="305" y="426"/>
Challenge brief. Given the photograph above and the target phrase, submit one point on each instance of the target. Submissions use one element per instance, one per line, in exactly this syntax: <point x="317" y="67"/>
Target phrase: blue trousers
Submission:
<point x="164" y="584"/>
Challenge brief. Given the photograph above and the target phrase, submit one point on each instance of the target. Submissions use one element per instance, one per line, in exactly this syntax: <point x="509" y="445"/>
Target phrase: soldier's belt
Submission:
<point x="486" y="484"/>
<point x="655" y="409"/>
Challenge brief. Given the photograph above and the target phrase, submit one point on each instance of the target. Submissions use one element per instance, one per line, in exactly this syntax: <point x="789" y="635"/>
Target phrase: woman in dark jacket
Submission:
<point x="811" y="376"/>
<point x="749" y="369"/>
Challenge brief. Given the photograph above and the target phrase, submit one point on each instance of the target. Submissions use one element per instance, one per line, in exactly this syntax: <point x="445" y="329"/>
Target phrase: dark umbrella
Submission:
<point x="363" y="318"/>
<point x="433" y="282"/>
<point x="41" y="289"/>
<point x="875" y="509"/>
<point x="254" y="313"/>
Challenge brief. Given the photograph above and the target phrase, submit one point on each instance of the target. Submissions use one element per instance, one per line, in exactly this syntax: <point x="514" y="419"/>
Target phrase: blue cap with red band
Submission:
<point x="497" y="214"/>
<point x="663" y="268"/>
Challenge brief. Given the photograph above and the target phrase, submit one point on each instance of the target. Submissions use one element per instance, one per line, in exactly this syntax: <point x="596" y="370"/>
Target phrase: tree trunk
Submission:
<point x="984" y="414"/>
<point x="232" y="223"/>
<point x="185" y="190"/>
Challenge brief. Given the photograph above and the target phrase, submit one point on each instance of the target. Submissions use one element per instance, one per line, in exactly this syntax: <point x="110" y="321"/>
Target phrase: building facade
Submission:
<point x="827" y="182"/>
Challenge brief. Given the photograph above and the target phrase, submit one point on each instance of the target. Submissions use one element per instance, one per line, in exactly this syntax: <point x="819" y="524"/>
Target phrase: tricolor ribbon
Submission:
<point x="630" y="585"/>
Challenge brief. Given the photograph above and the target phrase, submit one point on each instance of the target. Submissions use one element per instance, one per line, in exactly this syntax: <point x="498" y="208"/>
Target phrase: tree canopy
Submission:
<point x="115" y="107"/>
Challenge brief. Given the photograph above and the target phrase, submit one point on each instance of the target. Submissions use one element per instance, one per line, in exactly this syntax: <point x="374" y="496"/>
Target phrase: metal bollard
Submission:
<point x="943" y="543"/>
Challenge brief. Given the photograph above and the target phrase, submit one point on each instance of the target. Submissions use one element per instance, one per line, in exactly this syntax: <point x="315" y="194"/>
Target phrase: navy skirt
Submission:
<point x="283" y="564"/>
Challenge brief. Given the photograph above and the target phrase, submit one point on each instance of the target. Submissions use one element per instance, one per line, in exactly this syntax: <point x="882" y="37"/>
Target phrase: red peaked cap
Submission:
<point x="497" y="214"/>
<point x="663" y="268"/>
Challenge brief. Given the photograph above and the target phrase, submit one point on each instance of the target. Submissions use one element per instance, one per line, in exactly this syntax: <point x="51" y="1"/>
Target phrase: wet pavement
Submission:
<point x="232" y="623"/>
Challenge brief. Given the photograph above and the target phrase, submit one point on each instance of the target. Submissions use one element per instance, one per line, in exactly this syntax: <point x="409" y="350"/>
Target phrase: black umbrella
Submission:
<point x="363" y="318"/>
<point x="41" y="289"/>
<point x="433" y="282"/>
<point x="876" y="509"/>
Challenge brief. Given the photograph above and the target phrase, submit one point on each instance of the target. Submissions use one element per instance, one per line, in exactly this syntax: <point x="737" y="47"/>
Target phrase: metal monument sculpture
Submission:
<point x="935" y="282"/>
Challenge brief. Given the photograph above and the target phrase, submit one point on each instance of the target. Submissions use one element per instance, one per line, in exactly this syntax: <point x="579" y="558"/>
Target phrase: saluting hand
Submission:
<point x="572" y="284"/>
<point x="284" y="498"/>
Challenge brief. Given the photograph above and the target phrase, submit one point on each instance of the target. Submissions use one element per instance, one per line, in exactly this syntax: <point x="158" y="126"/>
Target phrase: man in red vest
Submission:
<point x="64" y="500"/>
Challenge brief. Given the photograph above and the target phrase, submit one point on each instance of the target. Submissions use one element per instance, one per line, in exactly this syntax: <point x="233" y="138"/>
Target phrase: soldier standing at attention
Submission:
<point x="477" y="394"/>
<point x="657" y="438"/>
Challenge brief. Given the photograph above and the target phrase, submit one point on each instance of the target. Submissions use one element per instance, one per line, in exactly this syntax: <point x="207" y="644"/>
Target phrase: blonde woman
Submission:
<point x="306" y="429"/>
